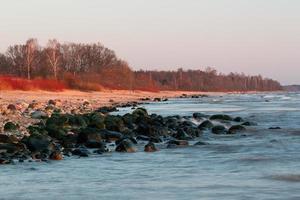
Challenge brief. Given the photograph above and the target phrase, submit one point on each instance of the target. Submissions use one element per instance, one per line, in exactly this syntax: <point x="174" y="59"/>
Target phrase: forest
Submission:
<point x="94" y="67"/>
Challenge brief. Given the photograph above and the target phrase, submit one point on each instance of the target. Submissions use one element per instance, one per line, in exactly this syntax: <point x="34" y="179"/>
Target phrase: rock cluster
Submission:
<point x="56" y="133"/>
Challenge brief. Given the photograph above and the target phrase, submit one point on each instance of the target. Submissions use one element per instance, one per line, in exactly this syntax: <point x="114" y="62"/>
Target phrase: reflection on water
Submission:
<point x="263" y="164"/>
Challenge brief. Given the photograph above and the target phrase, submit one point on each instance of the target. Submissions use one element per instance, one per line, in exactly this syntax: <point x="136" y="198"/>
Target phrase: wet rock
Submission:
<point x="126" y="145"/>
<point x="96" y="120"/>
<point x="107" y="109"/>
<point x="205" y="125"/>
<point x="221" y="117"/>
<point x="4" y="161"/>
<point x="182" y="135"/>
<point x="238" y="119"/>
<point x="11" y="148"/>
<point x="39" y="143"/>
<point x="275" y="128"/>
<point x="199" y="115"/>
<point x="89" y="136"/>
<point x="114" y="123"/>
<point x="56" y="155"/>
<point x="8" y="139"/>
<point x="150" y="147"/>
<point x="140" y="112"/>
<point x="81" y="151"/>
<point x="236" y="129"/>
<point x="10" y="127"/>
<point x="219" y="129"/>
<point x="157" y="99"/>
<point x="111" y="135"/>
<point x="177" y="143"/>
<point x="249" y="124"/>
<point x="199" y="143"/>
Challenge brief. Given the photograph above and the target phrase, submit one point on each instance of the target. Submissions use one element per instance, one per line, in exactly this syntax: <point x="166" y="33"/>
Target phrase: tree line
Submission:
<point x="76" y="63"/>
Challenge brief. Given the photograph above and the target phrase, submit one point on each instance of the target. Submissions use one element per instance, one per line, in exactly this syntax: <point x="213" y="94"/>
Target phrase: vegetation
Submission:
<point x="93" y="66"/>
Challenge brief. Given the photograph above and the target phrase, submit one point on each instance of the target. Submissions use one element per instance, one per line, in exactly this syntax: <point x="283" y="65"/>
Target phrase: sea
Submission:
<point x="260" y="164"/>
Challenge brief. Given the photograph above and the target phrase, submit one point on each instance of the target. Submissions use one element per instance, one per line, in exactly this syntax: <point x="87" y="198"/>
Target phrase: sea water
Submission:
<point x="260" y="164"/>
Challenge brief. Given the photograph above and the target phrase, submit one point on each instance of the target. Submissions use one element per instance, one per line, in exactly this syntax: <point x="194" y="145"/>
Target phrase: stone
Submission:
<point x="219" y="129"/>
<point x="206" y="125"/>
<point x="221" y="117"/>
<point x="10" y="126"/>
<point x="150" y="147"/>
<point x="236" y="128"/>
<point x="39" y="115"/>
<point x="126" y="145"/>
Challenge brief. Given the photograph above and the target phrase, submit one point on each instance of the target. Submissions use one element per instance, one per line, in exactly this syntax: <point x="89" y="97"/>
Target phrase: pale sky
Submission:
<point x="251" y="36"/>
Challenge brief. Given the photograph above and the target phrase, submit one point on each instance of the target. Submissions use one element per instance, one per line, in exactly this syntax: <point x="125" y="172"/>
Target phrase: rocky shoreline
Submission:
<point x="54" y="130"/>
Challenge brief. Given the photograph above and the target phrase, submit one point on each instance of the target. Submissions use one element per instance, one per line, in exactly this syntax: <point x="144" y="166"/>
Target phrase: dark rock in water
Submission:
<point x="199" y="115"/>
<point x="140" y="112"/>
<point x="4" y="161"/>
<point x="238" y="119"/>
<point x="150" y="147"/>
<point x="96" y="120"/>
<point x="114" y="123"/>
<point x="219" y="129"/>
<point x="56" y="155"/>
<point x="157" y="99"/>
<point x="221" y="117"/>
<point x="11" y="148"/>
<point x="205" y="125"/>
<point x="81" y="151"/>
<point x="132" y="139"/>
<point x="182" y="135"/>
<point x="192" y="131"/>
<point x="236" y="128"/>
<point x="200" y="143"/>
<point x="111" y="135"/>
<point x="126" y="145"/>
<point x="94" y="144"/>
<point x="107" y="109"/>
<point x="128" y="120"/>
<point x="181" y="143"/>
<point x="81" y="121"/>
<point x="275" y="128"/>
<point x="249" y="124"/>
<point x="38" y="143"/>
<point x="89" y="135"/>
<point x="9" y="126"/>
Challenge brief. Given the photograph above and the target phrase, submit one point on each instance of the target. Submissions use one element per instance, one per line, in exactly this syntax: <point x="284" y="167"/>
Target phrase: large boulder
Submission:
<point x="89" y="136"/>
<point x="96" y="120"/>
<point x="150" y="147"/>
<point x="111" y="135"/>
<point x="177" y="143"/>
<point x="219" y="129"/>
<point x="114" y="123"/>
<point x="221" y="117"/>
<point x="39" y="143"/>
<point x="205" y="125"/>
<point x="236" y="129"/>
<point x="10" y="127"/>
<point x="126" y="145"/>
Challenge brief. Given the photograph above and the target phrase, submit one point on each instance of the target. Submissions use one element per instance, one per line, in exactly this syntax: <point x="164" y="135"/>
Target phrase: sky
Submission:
<point x="250" y="36"/>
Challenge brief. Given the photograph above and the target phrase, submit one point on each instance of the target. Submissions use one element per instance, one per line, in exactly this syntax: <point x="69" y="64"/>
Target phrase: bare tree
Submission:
<point x="31" y="49"/>
<point x="53" y="55"/>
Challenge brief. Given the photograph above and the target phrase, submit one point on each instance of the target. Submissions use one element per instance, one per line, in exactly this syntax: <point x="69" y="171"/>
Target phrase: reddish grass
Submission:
<point x="13" y="83"/>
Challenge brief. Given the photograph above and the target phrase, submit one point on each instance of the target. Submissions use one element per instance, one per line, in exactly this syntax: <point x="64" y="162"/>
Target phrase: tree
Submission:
<point x="31" y="49"/>
<point x="53" y="55"/>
